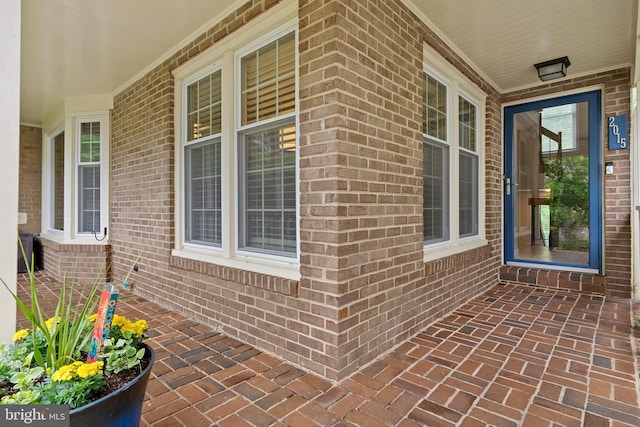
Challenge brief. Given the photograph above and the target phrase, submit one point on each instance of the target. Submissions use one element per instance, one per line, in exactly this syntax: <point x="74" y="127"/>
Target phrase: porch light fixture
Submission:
<point x="553" y="69"/>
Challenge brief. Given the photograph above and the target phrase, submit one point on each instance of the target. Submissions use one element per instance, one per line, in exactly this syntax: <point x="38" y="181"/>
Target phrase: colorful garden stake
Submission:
<point x="107" y="306"/>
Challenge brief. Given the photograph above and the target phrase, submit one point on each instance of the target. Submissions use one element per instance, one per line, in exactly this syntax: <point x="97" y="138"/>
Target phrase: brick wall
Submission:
<point x="364" y="286"/>
<point x="30" y="179"/>
<point x="361" y="155"/>
<point x="86" y="264"/>
<point x="616" y="190"/>
<point x="361" y="158"/>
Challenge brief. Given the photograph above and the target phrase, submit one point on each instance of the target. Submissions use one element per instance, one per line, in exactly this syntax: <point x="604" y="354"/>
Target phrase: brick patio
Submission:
<point x="516" y="355"/>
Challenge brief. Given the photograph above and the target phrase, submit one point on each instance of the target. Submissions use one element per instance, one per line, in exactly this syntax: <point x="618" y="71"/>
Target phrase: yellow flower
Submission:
<point x="20" y="335"/>
<point x="92" y="318"/>
<point x="77" y="369"/>
<point x="90" y="369"/>
<point x="119" y="320"/>
<point x="65" y="373"/>
<point x="136" y="328"/>
<point x="49" y="322"/>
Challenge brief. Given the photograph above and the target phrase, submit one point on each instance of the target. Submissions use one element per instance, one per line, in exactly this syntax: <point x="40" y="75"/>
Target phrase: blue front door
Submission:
<point x="553" y="183"/>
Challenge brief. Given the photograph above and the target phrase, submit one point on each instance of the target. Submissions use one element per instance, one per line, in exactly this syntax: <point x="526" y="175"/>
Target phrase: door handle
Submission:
<point x="508" y="185"/>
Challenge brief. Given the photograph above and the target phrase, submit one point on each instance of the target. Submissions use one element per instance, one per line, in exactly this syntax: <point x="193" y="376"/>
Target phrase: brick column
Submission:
<point x="361" y="177"/>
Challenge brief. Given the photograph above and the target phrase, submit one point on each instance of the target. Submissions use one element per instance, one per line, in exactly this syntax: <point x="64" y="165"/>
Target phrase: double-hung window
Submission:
<point x="202" y="160"/>
<point x="89" y="176"/>
<point x="468" y="165"/>
<point x="56" y="189"/>
<point x="436" y="161"/>
<point x="267" y="149"/>
<point x="75" y="178"/>
<point x="453" y="144"/>
<point x="237" y="192"/>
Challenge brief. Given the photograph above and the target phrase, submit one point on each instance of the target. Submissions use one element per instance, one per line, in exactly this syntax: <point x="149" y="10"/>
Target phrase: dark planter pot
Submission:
<point x="123" y="408"/>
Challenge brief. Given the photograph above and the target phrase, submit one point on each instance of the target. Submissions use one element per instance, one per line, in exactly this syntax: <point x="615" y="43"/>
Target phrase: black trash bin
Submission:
<point x="27" y="243"/>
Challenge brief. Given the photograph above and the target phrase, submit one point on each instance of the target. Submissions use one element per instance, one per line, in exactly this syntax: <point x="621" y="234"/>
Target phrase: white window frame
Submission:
<point x="78" y="163"/>
<point x="49" y="184"/>
<point x="186" y="143"/>
<point x="446" y="144"/>
<point x="241" y="129"/>
<point x="226" y="54"/>
<point x="95" y="108"/>
<point x="458" y="85"/>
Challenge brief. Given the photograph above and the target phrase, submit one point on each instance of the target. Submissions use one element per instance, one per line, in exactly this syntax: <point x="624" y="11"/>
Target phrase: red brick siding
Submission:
<point x="85" y="264"/>
<point x="30" y="178"/>
<point x="261" y="310"/>
<point x="364" y="287"/>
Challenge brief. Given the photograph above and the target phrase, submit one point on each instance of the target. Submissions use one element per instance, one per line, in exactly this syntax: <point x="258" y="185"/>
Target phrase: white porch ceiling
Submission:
<point x="504" y="38"/>
<point x="79" y="47"/>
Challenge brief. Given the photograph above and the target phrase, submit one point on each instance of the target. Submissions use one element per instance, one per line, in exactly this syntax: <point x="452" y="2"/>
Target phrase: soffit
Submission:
<point x="78" y="47"/>
<point x="504" y="38"/>
<point x="75" y="47"/>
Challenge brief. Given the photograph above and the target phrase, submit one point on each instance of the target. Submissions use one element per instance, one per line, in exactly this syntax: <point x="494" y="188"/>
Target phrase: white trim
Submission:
<point x="444" y="249"/>
<point x="96" y="110"/>
<point x="10" y="23"/>
<point x="229" y="186"/>
<point x="458" y="85"/>
<point x="270" y="267"/>
<point x="48" y="180"/>
<point x="281" y="15"/>
<point x="552" y="95"/>
<point x="104" y="177"/>
<point x="278" y="21"/>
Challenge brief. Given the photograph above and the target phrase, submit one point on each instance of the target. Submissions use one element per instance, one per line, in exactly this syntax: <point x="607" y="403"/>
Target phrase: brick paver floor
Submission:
<point x="517" y="355"/>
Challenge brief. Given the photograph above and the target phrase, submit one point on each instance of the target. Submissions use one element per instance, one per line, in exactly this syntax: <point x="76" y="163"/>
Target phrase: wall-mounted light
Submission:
<point x="553" y="69"/>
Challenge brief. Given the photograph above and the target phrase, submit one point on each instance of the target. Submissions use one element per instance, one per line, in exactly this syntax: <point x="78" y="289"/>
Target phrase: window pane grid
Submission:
<point x="467" y="124"/>
<point x="58" y="183"/>
<point x="89" y="142"/>
<point x="204" y="107"/>
<point x="268" y="81"/>
<point x="435" y="192"/>
<point x="89" y="194"/>
<point x="468" y="190"/>
<point x="204" y="204"/>
<point x="435" y="109"/>
<point x="269" y="190"/>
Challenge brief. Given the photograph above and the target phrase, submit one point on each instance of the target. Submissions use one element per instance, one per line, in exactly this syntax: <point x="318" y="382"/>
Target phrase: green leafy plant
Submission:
<point x="63" y="333"/>
<point x="25" y="383"/>
<point x="568" y="179"/>
<point x="121" y="355"/>
<point x="45" y="365"/>
<point x="122" y="350"/>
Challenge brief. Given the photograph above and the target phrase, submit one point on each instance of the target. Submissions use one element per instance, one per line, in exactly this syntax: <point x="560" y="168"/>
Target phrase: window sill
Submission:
<point x="445" y="249"/>
<point x="281" y="269"/>
<point x="89" y="240"/>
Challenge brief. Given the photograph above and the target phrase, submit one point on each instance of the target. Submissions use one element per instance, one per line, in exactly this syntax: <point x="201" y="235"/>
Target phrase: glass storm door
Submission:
<point x="552" y="183"/>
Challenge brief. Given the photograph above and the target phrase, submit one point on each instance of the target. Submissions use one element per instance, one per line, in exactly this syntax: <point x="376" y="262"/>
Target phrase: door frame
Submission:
<point x="596" y="201"/>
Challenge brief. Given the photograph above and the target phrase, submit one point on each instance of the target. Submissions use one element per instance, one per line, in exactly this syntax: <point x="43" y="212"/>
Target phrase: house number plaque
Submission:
<point x="618" y="132"/>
